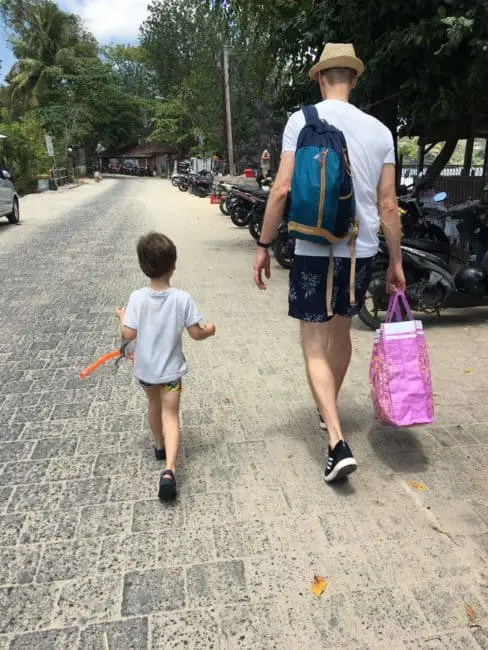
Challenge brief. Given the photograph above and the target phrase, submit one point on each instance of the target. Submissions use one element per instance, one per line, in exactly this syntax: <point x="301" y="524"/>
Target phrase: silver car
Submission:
<point x="9" y="199"/>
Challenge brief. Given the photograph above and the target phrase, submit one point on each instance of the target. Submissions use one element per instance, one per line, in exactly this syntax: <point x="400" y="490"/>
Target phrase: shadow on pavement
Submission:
<point x="399" y="449"/>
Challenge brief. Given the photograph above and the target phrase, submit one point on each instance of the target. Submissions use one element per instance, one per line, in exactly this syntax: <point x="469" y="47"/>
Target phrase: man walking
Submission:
<point x="325" y="316"/>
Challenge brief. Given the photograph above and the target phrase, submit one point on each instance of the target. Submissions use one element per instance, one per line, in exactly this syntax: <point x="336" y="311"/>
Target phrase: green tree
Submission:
<point x="47" y="43"/>
<point x="426" y="63"/>
<point x="23" y="151"/>
<point x="128" y="64"/>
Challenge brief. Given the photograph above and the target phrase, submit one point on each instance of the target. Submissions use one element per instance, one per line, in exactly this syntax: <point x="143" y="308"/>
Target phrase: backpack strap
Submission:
<point x="311" y="114"/>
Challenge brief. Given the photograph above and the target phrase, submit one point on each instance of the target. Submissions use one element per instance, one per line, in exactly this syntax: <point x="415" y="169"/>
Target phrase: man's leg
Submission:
<point x="315" y="340"/>
<point x="339" y="349"/>
<point x="315" y="343"/>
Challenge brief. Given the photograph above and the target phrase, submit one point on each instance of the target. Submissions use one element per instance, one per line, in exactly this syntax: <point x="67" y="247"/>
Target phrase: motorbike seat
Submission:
<point x="434" y="247"/>
<point x="464" y="209"/>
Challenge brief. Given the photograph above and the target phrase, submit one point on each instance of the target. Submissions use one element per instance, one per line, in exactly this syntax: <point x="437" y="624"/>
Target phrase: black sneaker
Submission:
<point x="340" y="463"/>
<point x="167" y="486"/>
<point x="160" y="454"/>
<point x="322" y="423"/>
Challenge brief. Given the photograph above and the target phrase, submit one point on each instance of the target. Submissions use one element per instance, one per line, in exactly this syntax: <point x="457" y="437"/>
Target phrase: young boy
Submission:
<point x="156" y="317"/>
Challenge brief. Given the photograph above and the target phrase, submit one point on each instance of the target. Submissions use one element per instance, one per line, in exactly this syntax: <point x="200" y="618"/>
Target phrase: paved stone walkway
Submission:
<point x="90" y="559"/>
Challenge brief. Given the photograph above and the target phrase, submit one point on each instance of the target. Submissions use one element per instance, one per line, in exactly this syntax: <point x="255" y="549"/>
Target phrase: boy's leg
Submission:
<point x="171" y="426"/>
<point x="154" y="407"/>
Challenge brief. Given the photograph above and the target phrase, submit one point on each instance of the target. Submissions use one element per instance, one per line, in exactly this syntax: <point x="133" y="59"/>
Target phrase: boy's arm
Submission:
<point x="192" y="322"/>
<point x="128" y="333"/>
<point x="200" y="332"/>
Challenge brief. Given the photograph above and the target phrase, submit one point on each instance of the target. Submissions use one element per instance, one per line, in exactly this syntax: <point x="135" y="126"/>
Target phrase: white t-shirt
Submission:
<point x="370" y="146"/>
<point x="160" y="318"/>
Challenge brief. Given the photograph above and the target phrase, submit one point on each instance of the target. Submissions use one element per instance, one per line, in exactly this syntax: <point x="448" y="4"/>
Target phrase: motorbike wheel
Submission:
<point x="175" y="182"/>
<point x="255" y="226"/>
<point x="283" y="249"/>
<point x="372" y="314"/>
<point x="240" y="216"/>
<point x="224" y="207"/>
<point x="183" y="186"/>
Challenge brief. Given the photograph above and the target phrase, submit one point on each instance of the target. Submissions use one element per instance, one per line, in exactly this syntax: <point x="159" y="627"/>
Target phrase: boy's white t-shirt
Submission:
<point x="370" y="146"/>
<point x="160" y="318"/>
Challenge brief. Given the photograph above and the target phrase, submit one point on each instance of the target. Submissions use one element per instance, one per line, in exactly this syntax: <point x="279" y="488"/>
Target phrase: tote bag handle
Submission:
<point x="394" y="314"/>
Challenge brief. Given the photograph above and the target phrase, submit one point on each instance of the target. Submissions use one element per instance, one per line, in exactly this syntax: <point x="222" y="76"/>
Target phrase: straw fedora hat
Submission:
<point x="337" y="55"/>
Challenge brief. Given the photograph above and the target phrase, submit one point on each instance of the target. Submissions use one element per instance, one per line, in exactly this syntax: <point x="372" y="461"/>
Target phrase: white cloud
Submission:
<point x="110" y="20"/>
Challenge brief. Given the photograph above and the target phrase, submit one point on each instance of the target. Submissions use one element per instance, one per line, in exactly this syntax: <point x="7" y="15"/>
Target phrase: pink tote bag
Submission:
<point x="399" y="374"/>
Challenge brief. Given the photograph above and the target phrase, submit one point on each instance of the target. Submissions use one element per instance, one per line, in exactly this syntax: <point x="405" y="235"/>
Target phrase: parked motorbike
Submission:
<point x="440" y="275"/>
<point x="200" y="184"/>
<point x="415" y="218"/>
<point x="284" y="246"/>
<point x="244" y="204"/>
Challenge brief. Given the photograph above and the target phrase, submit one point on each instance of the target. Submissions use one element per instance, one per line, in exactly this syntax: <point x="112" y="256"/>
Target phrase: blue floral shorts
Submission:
<point x="307" y="298"/>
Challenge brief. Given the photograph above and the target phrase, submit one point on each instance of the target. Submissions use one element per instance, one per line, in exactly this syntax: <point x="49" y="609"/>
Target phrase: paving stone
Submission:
<point x="216" y="583"/>
<point x="153" y="591"/>
<point x="54" y="447"/>
<point x="105" y="519"/>
<point x="29" y="498"/>
<point x="154" y="516"/>
<point x="127" y="553"/>
<point x="10" y="527"/>
<point x="11" y="432"/>
<point x="130" y="634"/>
<point x="92" y="598"/>
<point x="23" y="472"/>
<point x="86" y="492"/>
<point x="111" y="464"/>
<point x="208" y="509"/>
<point x="33" y="413"/>
<point x="47" y="640"/>
<point x="49" y="526"/>
<point x="12" y="451"/>
<point x="189" y="630"/>
<point x="37" y="430"/>
<point x="26" y="608"/>
<point x="62" y="469"/>
<point x="189" y="546"/>
<point x="68" y="559"/>
<point x="18" y="565"/>
<point x="250" y="538"/>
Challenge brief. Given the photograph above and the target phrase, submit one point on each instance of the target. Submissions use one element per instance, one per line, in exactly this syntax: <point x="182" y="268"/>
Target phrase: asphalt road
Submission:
<point x="90" y="559"/>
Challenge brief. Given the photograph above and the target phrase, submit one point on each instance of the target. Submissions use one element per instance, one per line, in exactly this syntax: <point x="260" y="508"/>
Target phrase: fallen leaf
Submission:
<point x="319" y="585"/>
<point x="416" y="485"/>
<point x="468" y="371"/>
<point x="470" y="613"/>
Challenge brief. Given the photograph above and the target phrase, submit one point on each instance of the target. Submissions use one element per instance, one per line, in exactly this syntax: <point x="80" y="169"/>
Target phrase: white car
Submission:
<point x="9" y="199"/>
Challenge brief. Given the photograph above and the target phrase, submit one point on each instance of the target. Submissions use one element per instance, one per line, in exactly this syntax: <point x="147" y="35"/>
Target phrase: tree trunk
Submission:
<point x="468" y="156"/>
<point x="387" y="112"/>
<point x="434" y="171"/>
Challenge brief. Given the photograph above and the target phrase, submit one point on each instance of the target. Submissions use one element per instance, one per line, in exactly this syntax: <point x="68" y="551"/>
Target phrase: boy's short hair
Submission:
<point x="157" y="255"/>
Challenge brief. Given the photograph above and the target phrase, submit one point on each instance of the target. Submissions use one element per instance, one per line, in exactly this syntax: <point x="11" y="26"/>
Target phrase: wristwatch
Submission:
<point x="262" y="245"/>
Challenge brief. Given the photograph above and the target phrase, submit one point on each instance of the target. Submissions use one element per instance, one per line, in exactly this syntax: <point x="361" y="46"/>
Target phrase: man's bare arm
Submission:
<point x="392" y="227"/>
<point x="389" y="213"/>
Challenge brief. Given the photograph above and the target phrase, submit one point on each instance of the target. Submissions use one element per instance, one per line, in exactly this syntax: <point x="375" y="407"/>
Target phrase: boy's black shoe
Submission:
<point x="167" y="486"/>
<point x="160" y="453"/>
<point x="340" y="463"/>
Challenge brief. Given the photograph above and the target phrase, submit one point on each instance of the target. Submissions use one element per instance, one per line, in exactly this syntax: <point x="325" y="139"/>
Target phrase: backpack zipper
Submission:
<point x="323" y="186"/>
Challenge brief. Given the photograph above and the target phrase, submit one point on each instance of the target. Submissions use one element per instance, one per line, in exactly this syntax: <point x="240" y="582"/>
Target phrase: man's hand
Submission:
<point x="262" y="262"/>
<point x="395" y="279"/>
<point x="120" y="313"/>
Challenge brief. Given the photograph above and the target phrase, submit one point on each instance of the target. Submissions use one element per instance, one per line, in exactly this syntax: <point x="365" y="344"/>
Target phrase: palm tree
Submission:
<point x="46" y="43"/>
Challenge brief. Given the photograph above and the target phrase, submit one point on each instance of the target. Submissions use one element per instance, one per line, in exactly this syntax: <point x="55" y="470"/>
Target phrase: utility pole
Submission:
<point x="230" y="142"/>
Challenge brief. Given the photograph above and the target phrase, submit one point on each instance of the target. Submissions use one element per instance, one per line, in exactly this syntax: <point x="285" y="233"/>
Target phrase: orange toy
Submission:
<point x="99" y="362"/>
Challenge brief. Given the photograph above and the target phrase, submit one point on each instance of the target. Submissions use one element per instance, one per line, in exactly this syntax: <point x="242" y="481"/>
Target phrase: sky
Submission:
<point x="111" y="21"/>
